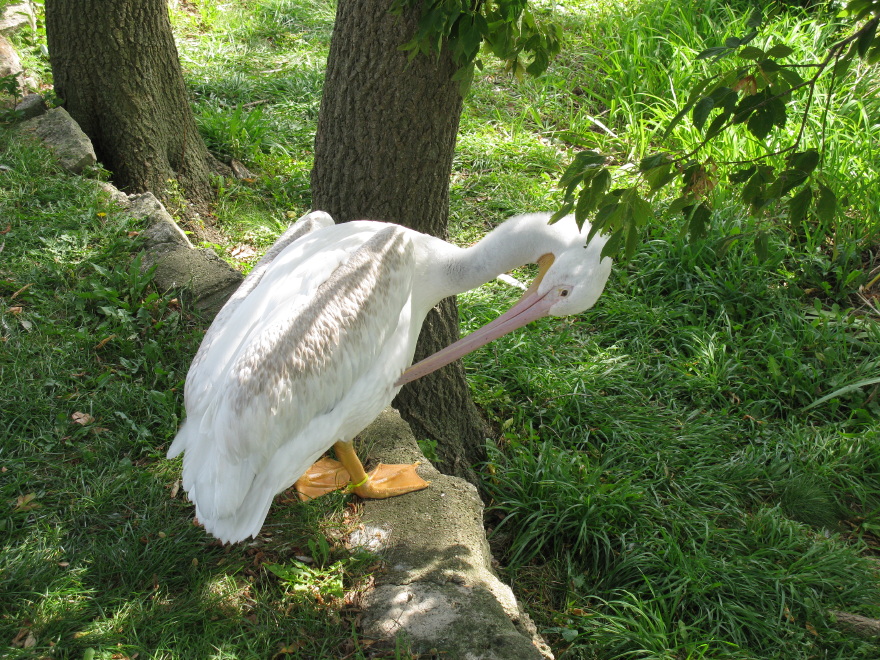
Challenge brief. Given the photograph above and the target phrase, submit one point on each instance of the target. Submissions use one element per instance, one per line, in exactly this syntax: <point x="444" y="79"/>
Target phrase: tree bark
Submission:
<point x="115" y="65"/>
<point x="383" y="151"/>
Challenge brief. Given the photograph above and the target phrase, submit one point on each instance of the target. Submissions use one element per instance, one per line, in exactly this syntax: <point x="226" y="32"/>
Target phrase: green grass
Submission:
<point x="691" y="470"/>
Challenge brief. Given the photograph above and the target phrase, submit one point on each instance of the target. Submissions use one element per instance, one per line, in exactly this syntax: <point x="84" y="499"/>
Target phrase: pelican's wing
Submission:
<point x="307" y="224"/>
<point x="301" y="362"/>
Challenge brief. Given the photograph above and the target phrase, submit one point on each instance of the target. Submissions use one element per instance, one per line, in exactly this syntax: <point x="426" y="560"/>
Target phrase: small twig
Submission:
<point x="21" y="290"/>
<point x="253" y="103"/>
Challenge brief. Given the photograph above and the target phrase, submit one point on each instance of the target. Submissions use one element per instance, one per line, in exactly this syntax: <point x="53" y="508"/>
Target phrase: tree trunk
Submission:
<point x="116" y="68"/>
<point x="383" y="151"/>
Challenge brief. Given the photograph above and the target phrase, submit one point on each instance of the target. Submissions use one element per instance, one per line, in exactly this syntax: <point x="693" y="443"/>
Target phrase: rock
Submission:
<point x="439" y="590"/>
<point x="32" y="105"/>
<point x="17" y="16"/>
<point x="10" y="63"/>
<point x="162" y="233"/>
<point x="203" y="278"/>
<point x="858" y="625"/>
<point x="62" y="135"/>
<point x="115" y="195"/>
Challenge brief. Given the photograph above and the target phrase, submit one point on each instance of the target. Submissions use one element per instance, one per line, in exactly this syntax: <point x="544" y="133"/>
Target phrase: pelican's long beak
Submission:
<point x="529" y="307"/>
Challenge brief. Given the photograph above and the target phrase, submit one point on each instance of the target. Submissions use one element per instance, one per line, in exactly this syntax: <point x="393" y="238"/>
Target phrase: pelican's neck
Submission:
<point x="518" y="241"/>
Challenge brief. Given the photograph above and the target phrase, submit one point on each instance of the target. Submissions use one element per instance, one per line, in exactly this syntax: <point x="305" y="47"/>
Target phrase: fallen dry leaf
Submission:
<point x="26" y="502"/>
<point x="175" y="489"/>
<point x="18" y="640"/>
<point x="8" y="228"/>
<point x="82" y="418"/>
<point x="243" y="252"/>
<point x="103" y="342"/>
<point x="14" y="310"/>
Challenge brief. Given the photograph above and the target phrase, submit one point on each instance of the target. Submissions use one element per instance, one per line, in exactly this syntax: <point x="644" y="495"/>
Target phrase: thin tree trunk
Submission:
<point x="383" y="151"/>
<point x="116" y="67"/>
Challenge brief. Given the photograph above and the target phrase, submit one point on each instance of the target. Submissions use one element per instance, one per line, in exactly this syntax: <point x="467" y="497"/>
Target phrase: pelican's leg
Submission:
<point x="383" y="481"/>
<point x="323" y="477"/>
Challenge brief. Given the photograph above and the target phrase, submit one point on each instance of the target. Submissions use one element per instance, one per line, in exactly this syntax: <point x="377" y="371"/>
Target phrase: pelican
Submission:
<point x="318" y="340"/>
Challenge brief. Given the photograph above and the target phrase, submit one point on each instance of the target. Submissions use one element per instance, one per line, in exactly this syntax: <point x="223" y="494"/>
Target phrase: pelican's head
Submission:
<point x="569" y="281"/>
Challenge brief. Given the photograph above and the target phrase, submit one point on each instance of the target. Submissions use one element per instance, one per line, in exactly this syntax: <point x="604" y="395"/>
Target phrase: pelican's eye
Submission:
<point x="564" y="292"/>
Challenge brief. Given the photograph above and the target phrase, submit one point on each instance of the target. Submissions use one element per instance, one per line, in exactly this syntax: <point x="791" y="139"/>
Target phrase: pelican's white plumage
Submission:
<point x="314" y="343"/>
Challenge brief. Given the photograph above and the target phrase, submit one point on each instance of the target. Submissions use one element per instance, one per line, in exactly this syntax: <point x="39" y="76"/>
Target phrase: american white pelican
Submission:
<point x="317" y="342"/>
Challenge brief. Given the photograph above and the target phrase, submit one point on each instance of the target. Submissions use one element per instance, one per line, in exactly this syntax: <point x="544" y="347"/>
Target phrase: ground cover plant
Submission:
<point x="692" y="470"/>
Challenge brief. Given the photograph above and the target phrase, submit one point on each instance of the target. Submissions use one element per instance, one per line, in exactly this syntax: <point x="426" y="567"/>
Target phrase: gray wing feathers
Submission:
<point x="305" y="225"/>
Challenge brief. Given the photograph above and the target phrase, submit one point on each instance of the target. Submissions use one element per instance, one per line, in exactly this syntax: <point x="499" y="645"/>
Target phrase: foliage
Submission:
<point x="10" y="86"/>
<point x="508" y="29"/>
<point x="758" y="92"/>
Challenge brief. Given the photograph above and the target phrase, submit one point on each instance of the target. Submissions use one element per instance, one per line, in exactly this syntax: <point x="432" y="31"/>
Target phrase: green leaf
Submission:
<point x="761" y="122"/>
<point x="601" y="182"/>
<point x="752" y="53"/>
<point x="583" y="162"/>
<point x="709" y="52"/>
<point x="791" y="76"/>
<point x="587" y="201"/>
<point x="650" y="162"/>
<point x="865" y="39"/>
<point x="805" y="161"/>
<point x="753" y="192"/>
<point x="842" y="65"/>
<point x="874" y="53"/>
<point x="741" y="176"/>
<point x="642" y="211"/>
<point x="700" y="215"/>
<point x="768" y="66"/>
<point x="561" y="213"/>
<point x="678" y="205"/>
<point x="694" y="95"/>
<point x="779" y="111"/>
<point x="780" y="50"/>
<point x="799" y="204"/>
<point x="701" y="111"/>
<point x="539" y="64"/>
<point x="603" y="215"/>
<point x="732" y="42"/>
<point x="632" y="241"/>
<point x="660" y="176"/>
<point x="747" y="38"/>
<point x="788" y="180"/>
<point x="826" y="204"/>
<point x="746" y="107"/>
<point x="613" y="245"/>
<point x="724" y="97"/>
<point x="717" y="124"/>
<point x="755" y="19"/>
<point x="762" y="245"/>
